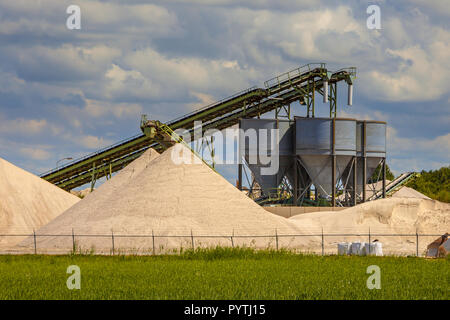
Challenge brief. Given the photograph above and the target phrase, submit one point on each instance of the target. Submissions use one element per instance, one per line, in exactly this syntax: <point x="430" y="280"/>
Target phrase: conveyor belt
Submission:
<point x="252" y="102"/>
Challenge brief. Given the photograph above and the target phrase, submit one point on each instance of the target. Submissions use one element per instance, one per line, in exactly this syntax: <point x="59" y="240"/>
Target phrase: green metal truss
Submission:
<point x="299" y="84"/>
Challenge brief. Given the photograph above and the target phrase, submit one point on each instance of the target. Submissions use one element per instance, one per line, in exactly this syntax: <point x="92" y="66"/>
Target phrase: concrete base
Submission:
<point x="288" y="212"/>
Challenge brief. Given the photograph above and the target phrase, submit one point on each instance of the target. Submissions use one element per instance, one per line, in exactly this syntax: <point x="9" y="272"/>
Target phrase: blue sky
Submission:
<point x="65" y="93"/>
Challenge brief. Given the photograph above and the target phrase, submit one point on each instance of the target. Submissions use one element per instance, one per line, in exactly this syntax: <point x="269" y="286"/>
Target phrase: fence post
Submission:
<point x="112" y="239"/>
<point x="232" y="242"/>
<point x="192" y="240"/>
<point x="369" y="242"/>
<point x="417" y="243"/>
<point x="34" y="237"/>
<point x="153" y="242"/>
<point x="73" y="241"/>
<point x="276" y="238"/>
<point x="323" y="247"/>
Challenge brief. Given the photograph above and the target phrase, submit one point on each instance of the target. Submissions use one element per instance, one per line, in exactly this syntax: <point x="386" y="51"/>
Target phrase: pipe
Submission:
<point x="350" y="94"/>
<point x="325" y="91"/>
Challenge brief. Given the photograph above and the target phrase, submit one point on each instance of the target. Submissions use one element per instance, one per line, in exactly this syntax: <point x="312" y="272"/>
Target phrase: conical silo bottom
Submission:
<point x="266" y="182"/>
<point x="270" y="182"/>
<point x="372" y="164"/>
<point x="319" y="168"/>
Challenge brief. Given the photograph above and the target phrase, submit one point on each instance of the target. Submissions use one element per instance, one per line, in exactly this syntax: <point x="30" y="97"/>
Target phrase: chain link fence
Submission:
<point x="322" y="243"/>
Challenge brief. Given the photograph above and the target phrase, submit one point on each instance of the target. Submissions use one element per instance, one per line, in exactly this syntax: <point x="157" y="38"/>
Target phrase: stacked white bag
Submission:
<point x="360" y="248"/>
<point x="344" y="248"/>
<point x="356" y="248"/>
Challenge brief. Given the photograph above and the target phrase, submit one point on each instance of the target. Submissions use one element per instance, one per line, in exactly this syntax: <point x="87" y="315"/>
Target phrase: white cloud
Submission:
<point x="203" y="100"/>
<point x="35" y="153"/>
<point x="169" y="59"/>
<point x="48" y="17"/>
<point x="176" y="76"/>
<point x="423" y="74"/>
<point x="92" y="142"/>
<point x="65" y="63"/>
<point x="417" y="153"/>
<point x="22" y="126"/>
<point x="97" y="109"/>
<point x="120" y="83"/>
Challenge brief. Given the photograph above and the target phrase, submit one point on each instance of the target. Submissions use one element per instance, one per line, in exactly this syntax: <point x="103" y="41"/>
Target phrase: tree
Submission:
<point x="434" y="184"/>
<point x="377" y="174"/>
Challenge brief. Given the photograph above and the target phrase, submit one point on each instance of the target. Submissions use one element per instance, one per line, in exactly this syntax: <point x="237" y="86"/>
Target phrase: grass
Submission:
<point x="222" y="273"/>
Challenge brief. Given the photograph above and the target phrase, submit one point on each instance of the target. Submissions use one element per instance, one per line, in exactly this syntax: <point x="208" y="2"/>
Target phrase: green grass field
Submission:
<point x="222" y="274"/>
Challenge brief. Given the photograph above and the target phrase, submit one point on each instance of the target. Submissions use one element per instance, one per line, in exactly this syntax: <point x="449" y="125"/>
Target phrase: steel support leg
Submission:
<point x="295" y="202"/>
<point x="384" y="178"/>
<point x="333" y="181"/>
<point x="364" y="164"/>
<point x="355" y="180"/>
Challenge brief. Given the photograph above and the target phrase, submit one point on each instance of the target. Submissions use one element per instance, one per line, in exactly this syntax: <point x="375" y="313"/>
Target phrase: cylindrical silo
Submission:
<point x="325" y="147"/>
<point x="257" y="144"/>
<point x="370" y="150"/>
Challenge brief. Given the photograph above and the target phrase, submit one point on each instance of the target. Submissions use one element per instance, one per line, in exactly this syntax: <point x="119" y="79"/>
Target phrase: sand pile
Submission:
<point x="403" y="192"/>
<point x="27" y="202"/>
<point x="385" y="216"/>
<point x="168" y="196"/>
<point x="406" y="192"/>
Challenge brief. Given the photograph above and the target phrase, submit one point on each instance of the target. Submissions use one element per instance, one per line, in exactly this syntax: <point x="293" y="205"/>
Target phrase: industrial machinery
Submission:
<point x="299" y="85"/>
<point x="331" y="155"/>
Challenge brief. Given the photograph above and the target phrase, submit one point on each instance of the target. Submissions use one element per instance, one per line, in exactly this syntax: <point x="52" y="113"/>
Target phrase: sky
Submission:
<point x="66" y="93"/>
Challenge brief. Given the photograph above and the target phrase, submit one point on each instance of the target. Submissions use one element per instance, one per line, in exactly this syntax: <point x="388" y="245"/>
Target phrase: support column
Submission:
<point x="384" y="178"/>
<point x="239" y="160"/>
<point x="93" y="177"/>
<point x="333" y="99"/>
<point x="333" y="166"/>
<point x="295" y="202"/>
<point x="333" y="180"/>
<point x="355" y="180"/>
<point x="364" y="164"/>
<point x="213" y="153"/>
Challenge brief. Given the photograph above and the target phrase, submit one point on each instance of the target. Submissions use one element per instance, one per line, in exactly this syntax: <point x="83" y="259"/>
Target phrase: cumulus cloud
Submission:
<point x="99" y="109"/>
<point x="22" y="126"/>
<point x="167" y="58"/>
<point x="35" y="153"/>
<point x="423" y="74"/>
<point x="181" y="75"/>
<point x="415" y="154"/>
<point x="91" y="142"/>
<point x="66" y="63"/>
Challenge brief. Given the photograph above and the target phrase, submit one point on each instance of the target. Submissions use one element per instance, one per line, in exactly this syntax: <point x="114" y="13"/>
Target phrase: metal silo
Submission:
<point x="371" y="152"/>
<point x="253" y="132"/>
<point x="325" y="147"/>
<point x="371" y="141"/>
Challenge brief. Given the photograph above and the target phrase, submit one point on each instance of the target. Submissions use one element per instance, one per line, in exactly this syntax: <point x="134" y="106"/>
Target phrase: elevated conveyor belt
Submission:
<point x="289" y="87"/>
<point x="395" y="185"/>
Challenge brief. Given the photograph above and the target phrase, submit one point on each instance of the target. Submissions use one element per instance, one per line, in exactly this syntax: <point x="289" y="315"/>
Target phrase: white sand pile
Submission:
<point x="403" y="192"/>
<point x="27" y="202"/>
<point x="385" y="216"/>
<point x="406" y="192"/>
<point x="168" y="198"/>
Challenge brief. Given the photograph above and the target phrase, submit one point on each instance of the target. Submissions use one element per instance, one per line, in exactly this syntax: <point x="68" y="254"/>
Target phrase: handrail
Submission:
<point x="399" y="181"/>
<point x="92" y="154"/>
<point x="139" y="135"/>
<point x="287" y="75"/>
<point x="248" y="90"/>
